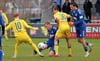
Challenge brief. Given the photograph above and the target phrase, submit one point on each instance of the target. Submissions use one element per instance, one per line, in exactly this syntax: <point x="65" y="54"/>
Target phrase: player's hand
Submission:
<point x="51" y="36"/>
<point x="37" y="28"/>
<point x="2" y="36"/>
<point x="70" y="23"/>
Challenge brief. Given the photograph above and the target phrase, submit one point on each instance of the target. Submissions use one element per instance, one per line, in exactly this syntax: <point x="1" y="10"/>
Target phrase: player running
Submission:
<point x="18" y="25"/>
<point x="5" y="21"/>
<point x="1" y="35"/>
<point x="50" y="42"/>
<point x="63" y="28"/>
<point x="80" y="26"/>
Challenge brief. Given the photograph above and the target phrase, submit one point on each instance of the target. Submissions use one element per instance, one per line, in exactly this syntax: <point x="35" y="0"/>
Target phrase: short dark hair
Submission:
<point x="55" y="8"/>
<point x="55" y="2"/>
<point x="46" y="23"/>
<point x="74" y="4"/>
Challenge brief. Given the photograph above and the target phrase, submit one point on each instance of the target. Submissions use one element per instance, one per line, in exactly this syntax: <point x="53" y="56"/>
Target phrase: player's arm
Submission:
<point x="8" y="27"/>
<point x="80" y="18"/>
<point x="29" y="27"/>
<point x="5" y="19"/>
<point x="57" y="20"/>
<point x="54" y="32"/>
<point x="2" y="24"/>
<point x="69" y="16"/>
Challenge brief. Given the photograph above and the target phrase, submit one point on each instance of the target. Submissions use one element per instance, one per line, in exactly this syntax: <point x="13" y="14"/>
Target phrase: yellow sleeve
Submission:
<point x="8" y="27"/>
<point x="55" y="16"/>
<point x="27" y="26"/>
<point x="67" y="15"/>
<point x="5" y="18"/>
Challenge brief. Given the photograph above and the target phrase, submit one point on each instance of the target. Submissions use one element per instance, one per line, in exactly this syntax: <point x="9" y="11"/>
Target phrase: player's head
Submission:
<point x="55" y="10"/>
<point x="73" y="6"/>
<point x="1" y="11"/>
<point x="48" y="25"/>
<point x="66" y="1"/>
<point x="54" y="3"/>
<point x="16" y="16"/>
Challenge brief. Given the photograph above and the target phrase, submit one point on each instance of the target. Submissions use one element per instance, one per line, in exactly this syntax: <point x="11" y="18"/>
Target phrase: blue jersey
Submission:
<point x="50" y="41"/>
<point x="78" y="19"/>
<point x="52" y="32"/>
<point x="3" y="27"/>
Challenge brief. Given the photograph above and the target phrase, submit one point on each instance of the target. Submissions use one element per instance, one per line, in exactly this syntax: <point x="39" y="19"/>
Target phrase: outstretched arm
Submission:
<point x="29" y="27"/>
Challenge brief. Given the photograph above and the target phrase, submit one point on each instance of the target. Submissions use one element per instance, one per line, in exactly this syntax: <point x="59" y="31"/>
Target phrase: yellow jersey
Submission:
<point x="5" y="18"/>
<point x="62" y="18"/>
<point x="18" y="26"/>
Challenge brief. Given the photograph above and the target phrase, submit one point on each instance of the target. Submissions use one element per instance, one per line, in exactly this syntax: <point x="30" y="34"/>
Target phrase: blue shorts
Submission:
<point x="81" y="33"/>
<point x="50" y="43"/>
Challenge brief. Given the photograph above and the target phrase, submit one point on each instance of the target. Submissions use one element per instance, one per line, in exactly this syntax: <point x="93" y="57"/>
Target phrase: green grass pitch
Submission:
<point x="25" y="52"/>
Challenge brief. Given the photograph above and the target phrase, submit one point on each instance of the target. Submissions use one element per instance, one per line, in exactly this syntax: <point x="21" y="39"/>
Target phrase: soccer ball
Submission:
<point x="41" y="45"/>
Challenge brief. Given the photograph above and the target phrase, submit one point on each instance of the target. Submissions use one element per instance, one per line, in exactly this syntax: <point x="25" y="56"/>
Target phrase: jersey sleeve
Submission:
<point x="5" y="18"/>
<point x="27" y="26"/>
<point x="55" y="16"/>
<point x="2" y="24"/>
<point x="8" y="27"/>
<point x="81" y="18"/>
<point x="67" y="15"/>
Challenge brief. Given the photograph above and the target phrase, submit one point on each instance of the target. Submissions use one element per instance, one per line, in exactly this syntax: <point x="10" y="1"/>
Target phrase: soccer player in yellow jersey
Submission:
<point x="18" y="25"/>
<point x="63" y="28"/>
<point x="5" y="21"/>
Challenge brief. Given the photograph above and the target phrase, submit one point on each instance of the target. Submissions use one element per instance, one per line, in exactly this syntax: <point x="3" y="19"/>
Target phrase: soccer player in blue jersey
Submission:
<point x="1" y="35"/>
<point x="50" y="42"/>
<point x="80" y="26"/>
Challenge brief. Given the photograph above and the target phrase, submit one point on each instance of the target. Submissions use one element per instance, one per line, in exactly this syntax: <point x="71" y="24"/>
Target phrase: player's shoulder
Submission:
<point x="71" y="11"/>
<point x="79" y="10"/>
<point x="3" y="14"/>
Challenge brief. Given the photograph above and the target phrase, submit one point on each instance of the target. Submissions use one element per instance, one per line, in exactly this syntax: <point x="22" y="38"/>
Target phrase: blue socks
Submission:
<point x="0" y="55"/>
<point x="86" y="43"/>
<point x="40" y="50"/>
<point x="86" y="49"/>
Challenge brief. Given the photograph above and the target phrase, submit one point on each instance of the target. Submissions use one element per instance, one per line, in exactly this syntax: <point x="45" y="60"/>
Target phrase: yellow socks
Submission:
<point x="16" y="49"/>
<point x="69" y="49"/>
<point x="56" y="49"/>
<point x="35" y="48"/>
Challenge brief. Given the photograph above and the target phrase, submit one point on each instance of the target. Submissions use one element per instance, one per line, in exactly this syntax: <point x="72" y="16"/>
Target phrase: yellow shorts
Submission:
<point x="64" y="29"/>
<point x="23" y="38"/>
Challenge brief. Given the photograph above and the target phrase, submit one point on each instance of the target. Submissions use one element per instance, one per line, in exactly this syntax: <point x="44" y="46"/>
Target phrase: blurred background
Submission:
<point x="38" y="9"/>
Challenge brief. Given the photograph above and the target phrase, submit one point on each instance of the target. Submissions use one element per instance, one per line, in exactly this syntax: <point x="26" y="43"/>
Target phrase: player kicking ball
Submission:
<point x="80" y="27"/>
<point x="18" y="25"/>
<point x="50" y="42"/>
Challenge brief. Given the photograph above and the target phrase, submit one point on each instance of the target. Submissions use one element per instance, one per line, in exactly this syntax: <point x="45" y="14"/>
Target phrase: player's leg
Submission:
<point x="68" y="42"/>
<point x="6" y="37"/>
<point x="51" y="53"/>
<point x="0" y="55"/>
<point x="56" y="46"/>
<point x="69" y="46"/>
<point x="0" y="49"/>
<point x="46" y="46"/>
<point x="81" y="38"/>
<point x="59" y="34"/>
<point x="16" y="49"/>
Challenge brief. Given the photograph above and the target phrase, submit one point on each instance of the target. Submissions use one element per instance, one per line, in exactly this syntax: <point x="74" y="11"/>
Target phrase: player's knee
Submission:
<point x="55" y="43"/>
<point x="79" y="41"/>
<point x="51" y="54"/>
<point x="56" y="38"/>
